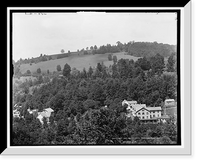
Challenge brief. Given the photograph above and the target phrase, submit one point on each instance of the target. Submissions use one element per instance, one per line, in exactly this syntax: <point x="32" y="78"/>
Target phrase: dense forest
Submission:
<point x="87" y="104"/>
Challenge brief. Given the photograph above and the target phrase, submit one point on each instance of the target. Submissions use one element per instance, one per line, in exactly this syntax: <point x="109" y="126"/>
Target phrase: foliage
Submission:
<point x="66" y="70"/>
<point x="110" y="57"/>
<point x="115" y="59"/>
<point x="171" y="63"/>
<point x="39" y="71"/>
<point x="58" y="68"/>
<point x="87" y="105"/>
<point x="28" y="72"/>
<point x="157" y="64"/>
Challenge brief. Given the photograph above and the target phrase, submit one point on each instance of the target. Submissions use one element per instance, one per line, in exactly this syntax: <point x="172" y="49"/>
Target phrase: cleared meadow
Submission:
<point x="78" y="62"/>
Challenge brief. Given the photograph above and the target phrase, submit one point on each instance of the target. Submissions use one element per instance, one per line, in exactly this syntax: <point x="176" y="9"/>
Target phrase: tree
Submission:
<point x="171" y="63"/>
<point x="62" y="51"/>
<point x="58" y="68"/>
<point x="157" y="64"/>
<point x="143" y="63"/>
<point x="99" y="67"/>
<point x="110" y="57"/>
<point x="39" y="71"/>
<point x="89" y="103"/>
<point x="115" y="59"/>
<point x="17" y="70"/>
<point x="83" y="73"/>
<point x="48" y="72"/>
<point x="85" y="52"/>
<point x="90" y="71"/>
<point x="66" y="70"/>
<point x="91" y="48"/>
<point x="28" y="72"/>
<point x="120" y="45"/>
<point x="115" y="72"/>
<point x="40" y="79"/>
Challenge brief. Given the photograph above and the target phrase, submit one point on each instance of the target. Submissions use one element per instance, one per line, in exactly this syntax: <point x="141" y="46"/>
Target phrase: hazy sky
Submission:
<point x="48" y="34"/>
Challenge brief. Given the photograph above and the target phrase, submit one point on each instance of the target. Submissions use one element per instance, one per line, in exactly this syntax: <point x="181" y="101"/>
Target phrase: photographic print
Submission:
<point x="95" y="77"/>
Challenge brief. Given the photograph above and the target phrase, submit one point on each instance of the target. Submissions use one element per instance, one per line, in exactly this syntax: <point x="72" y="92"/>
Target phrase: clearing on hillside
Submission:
<point x="78" y="62"/>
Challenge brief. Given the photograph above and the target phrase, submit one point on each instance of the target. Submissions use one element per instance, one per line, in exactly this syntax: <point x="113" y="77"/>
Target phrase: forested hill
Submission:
<point x="137" y="49"/>
<point x="149" y="49"/>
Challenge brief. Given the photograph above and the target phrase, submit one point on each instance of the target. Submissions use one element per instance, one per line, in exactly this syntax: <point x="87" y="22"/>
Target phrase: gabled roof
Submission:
<point x="129" y="102"/>
<point x="142" y="109"/>
<point x="149" y="109"/>
<point x="139" y="106"/>
<point x="154" y="108"/>
<point x="169" y="100"/>
<point x="49" y="110"/>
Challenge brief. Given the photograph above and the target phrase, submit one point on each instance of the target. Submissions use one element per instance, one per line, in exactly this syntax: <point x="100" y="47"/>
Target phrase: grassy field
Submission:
<point x="75" y="61"/>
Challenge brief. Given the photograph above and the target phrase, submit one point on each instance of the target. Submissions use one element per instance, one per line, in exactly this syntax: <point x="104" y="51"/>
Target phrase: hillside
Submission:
<point x="148" y="49"/>
<point x="75" y="61"/>
<point x="90" y="57"/>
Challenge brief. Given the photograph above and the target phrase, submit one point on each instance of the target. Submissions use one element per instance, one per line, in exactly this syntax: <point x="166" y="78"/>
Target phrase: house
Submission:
<point x="16" y="110"/>
<point x="132" y="107"/>
<point x="169" y="102"/>
<point x="40" y="115"/>
<point x="16" y="113"/>
<point x="45" y="113"/>
<point x="170" y="107"/>
<point x="33" y="111"/>
<point x="144" y="113"/>
<point x="149" y="114"/>
<point x="129" y="103"/>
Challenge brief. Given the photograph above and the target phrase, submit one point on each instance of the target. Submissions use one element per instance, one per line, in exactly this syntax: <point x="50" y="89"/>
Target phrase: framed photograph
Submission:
<point x="99" y="80"/>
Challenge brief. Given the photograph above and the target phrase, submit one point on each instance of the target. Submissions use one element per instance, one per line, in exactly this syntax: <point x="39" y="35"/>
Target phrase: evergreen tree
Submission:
<point x="171" y="63"/>
<point x="66" y="70"/>
<point x="58" y="68"/>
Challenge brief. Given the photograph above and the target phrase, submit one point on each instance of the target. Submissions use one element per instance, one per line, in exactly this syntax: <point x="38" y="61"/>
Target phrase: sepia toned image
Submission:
<point x="95" y="78"/>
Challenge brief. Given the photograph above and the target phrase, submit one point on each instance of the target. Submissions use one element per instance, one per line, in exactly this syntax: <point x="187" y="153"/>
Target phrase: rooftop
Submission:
<point x="153" y="108"/>
<point x="169" y="100"/>
<point x="139" y="106"/>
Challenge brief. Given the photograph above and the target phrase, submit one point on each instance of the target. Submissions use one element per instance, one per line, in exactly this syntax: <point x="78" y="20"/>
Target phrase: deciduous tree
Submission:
<point x="66" y="70"/>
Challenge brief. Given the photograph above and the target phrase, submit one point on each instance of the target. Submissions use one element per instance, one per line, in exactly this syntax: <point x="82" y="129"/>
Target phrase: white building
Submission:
<point x="170" y="102"/>
<point x="144" y="113"/>
<point x="45" y="113"/>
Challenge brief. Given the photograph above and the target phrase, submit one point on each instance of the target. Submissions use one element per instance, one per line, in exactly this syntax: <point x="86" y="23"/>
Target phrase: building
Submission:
<point x="169" y="102"/>
<point x="40" y="115"/>
<point x="170" y="107"/>
<point x="144" y="113"/>
<point x="16" y="110"/>
<point x="16" y="113"/>
<point x="45" y="113"/>
<point x="149" y="114"/>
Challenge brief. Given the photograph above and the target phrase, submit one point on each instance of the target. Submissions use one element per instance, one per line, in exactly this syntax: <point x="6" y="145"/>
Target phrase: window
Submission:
<point x="143" y="113"/>
<point x="143" y="117"/>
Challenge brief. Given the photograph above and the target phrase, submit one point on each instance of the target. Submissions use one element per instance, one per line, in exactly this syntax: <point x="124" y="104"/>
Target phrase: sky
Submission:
<point x="47" y="34"/>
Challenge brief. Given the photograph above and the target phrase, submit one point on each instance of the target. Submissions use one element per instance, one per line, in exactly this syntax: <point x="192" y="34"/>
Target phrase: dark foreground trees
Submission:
<point x="106" y="125"/>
